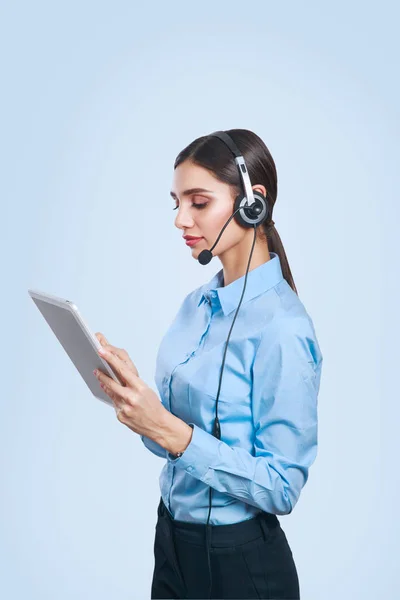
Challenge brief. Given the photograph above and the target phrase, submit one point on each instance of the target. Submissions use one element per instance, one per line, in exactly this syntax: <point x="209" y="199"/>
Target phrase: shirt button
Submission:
<point x="190" y="468"/>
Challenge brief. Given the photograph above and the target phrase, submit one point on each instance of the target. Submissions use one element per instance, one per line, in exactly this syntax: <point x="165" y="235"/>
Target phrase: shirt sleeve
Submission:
<point x="153" y="446"/>
<point x="286" y="372"/>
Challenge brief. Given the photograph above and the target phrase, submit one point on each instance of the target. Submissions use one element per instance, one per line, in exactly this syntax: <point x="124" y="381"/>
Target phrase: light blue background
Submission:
<point x="97" y="99"/>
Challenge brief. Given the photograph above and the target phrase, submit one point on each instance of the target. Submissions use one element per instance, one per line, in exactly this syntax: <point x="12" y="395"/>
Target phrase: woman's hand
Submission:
<point x="137" y="405"/>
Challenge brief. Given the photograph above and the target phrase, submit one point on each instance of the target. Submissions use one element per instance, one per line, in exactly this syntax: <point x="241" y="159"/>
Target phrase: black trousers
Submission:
<point x="250" y="559"/>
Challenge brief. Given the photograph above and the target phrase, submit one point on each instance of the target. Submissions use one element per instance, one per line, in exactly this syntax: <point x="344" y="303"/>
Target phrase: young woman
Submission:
<point x="217" y="533"/>
<point x="268" y="402"/>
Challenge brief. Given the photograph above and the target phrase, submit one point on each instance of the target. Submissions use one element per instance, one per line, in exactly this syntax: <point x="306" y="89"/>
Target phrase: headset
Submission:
<point x="250" y="210"/>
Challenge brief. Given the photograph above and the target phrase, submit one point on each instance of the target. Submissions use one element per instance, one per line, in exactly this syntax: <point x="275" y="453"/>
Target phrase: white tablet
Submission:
<point x="78" y="341"/>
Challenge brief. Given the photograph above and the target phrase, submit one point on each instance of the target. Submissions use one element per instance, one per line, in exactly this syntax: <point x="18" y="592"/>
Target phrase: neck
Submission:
<point x="235" y="260"/>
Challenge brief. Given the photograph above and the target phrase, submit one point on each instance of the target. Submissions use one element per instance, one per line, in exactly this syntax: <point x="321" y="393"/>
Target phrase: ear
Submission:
<point x="260" y="188"/>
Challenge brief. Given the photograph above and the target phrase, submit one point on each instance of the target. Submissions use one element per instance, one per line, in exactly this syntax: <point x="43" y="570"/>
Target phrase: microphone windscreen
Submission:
<point x="204" y="257"/>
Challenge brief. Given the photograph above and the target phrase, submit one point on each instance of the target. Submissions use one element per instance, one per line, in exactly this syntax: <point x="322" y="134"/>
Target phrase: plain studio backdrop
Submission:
<point x="97" y="99"/>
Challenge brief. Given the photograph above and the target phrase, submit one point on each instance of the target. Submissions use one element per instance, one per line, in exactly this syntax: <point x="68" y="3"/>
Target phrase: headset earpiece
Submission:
<point x="251" y="215"/>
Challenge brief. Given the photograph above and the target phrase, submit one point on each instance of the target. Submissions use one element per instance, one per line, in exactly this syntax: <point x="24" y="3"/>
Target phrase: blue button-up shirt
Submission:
<point x="267" y="405"/>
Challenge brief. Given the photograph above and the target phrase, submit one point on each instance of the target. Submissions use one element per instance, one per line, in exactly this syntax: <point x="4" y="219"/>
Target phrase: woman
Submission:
<point x="267" y="397"/>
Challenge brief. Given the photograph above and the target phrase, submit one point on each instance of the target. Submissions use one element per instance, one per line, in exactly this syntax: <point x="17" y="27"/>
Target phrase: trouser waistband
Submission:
<point x="221" y="535"/>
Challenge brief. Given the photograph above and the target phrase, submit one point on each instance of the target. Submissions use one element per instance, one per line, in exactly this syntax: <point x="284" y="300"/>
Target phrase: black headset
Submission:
<point x="250" y="210"/>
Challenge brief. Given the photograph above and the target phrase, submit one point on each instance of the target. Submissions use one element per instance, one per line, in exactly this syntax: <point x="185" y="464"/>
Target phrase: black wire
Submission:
<point x="217" y="429"/>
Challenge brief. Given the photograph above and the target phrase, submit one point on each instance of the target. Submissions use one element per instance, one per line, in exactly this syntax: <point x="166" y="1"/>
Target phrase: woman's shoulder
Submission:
<point x="290" y="310"/>
<point x="290" y="323"/>
<point x="290" y="342"/>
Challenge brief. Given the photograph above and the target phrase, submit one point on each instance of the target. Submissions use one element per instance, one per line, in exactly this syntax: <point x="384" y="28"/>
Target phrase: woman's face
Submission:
<point x="193" y="186"/>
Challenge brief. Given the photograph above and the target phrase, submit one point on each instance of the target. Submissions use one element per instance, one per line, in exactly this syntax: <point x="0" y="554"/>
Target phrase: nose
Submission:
<point x="183" y="219"/>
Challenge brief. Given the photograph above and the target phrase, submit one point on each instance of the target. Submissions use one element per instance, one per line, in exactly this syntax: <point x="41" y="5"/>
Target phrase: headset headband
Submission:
<point x="239" y="159"/>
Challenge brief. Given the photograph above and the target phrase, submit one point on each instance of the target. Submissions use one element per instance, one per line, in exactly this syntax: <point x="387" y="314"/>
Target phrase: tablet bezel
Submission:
<point x="71" y="306"/>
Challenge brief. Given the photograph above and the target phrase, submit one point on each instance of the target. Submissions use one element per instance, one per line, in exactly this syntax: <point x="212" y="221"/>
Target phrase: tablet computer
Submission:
<point x="78" y="341"/>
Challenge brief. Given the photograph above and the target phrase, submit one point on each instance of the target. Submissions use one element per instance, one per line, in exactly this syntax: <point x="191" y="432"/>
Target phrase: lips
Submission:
<point x="192" y="241"/>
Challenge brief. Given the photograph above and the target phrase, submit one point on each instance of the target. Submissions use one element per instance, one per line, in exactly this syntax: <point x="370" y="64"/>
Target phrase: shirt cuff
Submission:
<point x="199" y="454"/>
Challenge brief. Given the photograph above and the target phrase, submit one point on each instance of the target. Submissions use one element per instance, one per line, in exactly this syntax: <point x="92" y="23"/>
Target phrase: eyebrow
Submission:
<point x="191" y="191"/>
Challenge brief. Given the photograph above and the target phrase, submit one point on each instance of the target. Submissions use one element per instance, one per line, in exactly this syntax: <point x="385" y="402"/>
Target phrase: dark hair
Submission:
<point x="211" y="153"/>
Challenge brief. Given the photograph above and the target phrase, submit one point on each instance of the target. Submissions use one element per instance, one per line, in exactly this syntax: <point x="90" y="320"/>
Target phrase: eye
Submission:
<point x="199" y="206"/>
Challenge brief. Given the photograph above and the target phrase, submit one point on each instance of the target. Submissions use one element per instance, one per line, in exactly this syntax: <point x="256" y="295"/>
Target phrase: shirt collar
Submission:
<point x="259" y="280"/>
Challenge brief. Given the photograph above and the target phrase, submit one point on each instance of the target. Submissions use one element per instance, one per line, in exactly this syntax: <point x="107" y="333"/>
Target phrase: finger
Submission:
<point x="111" y="387"/>
<point x="116" y="400"/>
<point x="120" y="352"/>
<point x="121" y="368"/>
<point x="122" y="355"/>
<point x="103" y="341"/>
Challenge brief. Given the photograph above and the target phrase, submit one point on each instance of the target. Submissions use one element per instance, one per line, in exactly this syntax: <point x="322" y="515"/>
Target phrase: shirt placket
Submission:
<point x="211" y="300"/>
